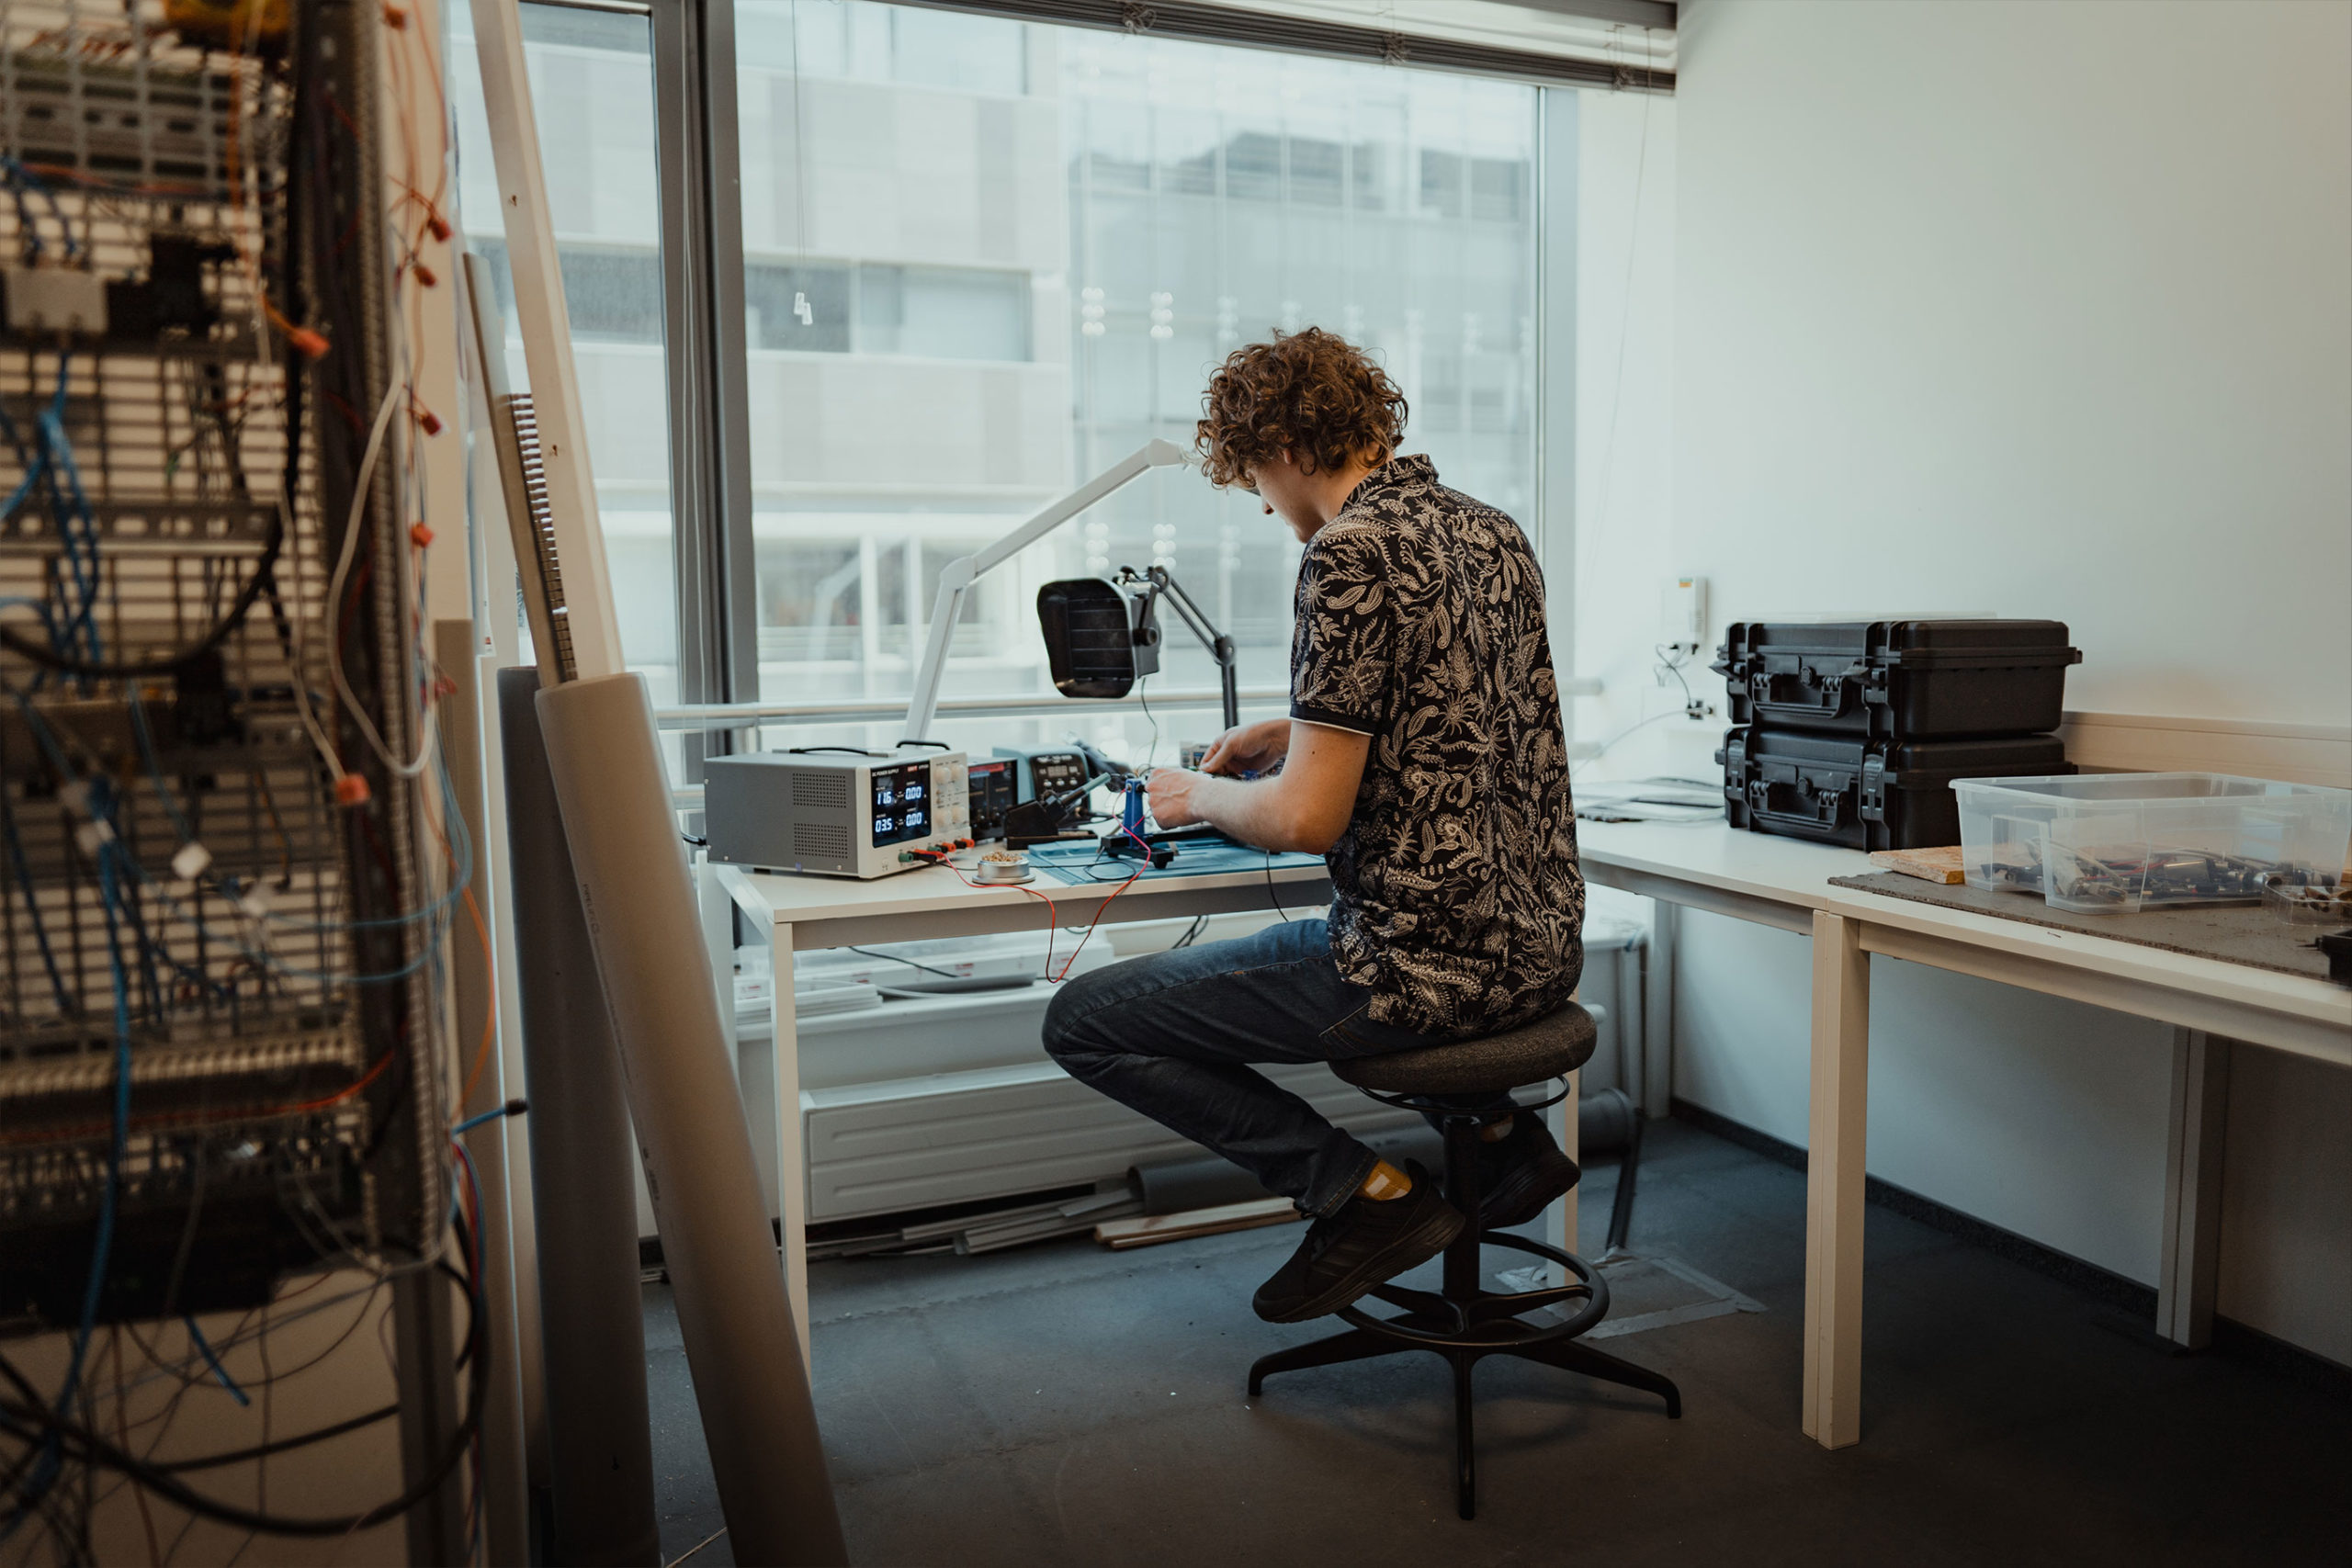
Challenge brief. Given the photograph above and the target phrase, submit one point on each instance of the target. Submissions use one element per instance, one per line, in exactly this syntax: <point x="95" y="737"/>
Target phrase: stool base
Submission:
<point x="1362" y="1343"/>
<point x="1465" y="1324"/>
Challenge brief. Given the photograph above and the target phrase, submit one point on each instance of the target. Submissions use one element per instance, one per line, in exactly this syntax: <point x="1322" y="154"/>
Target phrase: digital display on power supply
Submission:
<point x="903" y="805"/>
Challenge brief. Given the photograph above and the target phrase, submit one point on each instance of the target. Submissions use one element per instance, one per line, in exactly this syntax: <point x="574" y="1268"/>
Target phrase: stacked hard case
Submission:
<point x="1850" y="732"/>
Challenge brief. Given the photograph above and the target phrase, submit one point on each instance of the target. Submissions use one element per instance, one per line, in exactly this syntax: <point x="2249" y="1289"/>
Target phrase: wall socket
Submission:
<point x="1682" y="615"/>
<point x="1682" y="641"/>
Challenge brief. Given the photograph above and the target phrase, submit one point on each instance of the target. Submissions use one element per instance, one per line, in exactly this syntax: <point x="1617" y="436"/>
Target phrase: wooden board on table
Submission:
<point x="1940" y="865"/>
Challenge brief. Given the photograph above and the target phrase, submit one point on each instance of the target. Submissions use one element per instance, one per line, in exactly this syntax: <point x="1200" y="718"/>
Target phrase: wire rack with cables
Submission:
<point x="229" y="858"/>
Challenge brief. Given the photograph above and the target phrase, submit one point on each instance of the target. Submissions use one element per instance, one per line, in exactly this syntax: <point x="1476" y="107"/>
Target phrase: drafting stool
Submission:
<point x="1459" y="1083"/>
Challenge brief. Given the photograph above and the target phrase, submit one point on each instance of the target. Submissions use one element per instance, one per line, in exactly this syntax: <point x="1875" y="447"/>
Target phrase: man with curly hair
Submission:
<point x="1424" y="759"/>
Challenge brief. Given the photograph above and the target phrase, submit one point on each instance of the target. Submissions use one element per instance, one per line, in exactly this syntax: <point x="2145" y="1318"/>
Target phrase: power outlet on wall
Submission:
<point x="1682" y="615"/>
<point x="1682" y="645"/>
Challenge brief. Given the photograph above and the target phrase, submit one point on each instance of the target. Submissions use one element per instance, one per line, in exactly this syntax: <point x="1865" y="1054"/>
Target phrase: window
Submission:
<point x="881" y="307"/>
<point x="592" y="88"/>
<point x="1012" y="254"/>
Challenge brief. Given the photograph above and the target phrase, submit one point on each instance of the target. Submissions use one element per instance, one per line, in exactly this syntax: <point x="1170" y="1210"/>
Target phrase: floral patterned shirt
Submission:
<point x="1457" y="899"/>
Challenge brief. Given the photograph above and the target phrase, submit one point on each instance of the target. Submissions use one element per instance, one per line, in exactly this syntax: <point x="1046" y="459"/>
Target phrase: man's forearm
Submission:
<point x="1255" y="811"/>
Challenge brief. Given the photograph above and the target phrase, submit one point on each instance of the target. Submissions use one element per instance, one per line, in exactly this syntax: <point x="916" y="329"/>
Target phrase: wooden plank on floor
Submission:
<point x="1149" y="1230"/>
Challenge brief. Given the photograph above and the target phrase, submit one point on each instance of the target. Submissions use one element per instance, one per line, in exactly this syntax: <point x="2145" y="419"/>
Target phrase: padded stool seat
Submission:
<point x="1552" y="1047"/>
<point x="1457" y="1085"/>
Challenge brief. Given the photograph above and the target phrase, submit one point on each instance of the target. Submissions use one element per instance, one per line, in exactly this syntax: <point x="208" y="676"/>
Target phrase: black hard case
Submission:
<point x="1867" y="794"/>
<point x="1898" y="680"/>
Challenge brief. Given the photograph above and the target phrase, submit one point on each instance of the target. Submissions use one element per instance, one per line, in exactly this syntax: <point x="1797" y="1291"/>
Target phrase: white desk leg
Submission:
<point x="718" y="935"/>
<point x="1654" y="1093"/>
<point x="1832" y="1229"/>
<point x="1561" y="1223"/>
<point x="2200" y="1106"/>
<point x="770" y="1083"/>
<point x="791" y="1158"/>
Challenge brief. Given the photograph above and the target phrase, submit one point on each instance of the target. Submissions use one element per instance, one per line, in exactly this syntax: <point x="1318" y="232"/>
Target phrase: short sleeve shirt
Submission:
<point x="1456" y="897"/>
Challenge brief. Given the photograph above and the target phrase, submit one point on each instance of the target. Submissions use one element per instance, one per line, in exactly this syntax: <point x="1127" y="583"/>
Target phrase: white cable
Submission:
<point x="1654" y="718"/>
<point x="335" y="597"/>
<point x="301" y="681"/>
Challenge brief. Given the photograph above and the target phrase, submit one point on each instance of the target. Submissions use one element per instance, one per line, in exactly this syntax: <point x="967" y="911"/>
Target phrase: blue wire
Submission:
<point x="102" y="1247"/>
<point x="18" y="178"/>
<point x="59" y="447"/>
<point x="21" y="178"/>
<point x="196" y="1334"/>
<point x="154" y="769"/>
<point x="32" y="906"/>
<point x="470" y="1122"/>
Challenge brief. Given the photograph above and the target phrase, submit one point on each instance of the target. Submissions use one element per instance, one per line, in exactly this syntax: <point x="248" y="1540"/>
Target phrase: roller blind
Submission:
<point x="1622" y="44"/>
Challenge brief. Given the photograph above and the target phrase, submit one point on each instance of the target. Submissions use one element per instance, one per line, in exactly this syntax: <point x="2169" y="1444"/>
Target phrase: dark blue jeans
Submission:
<point x="1169" y="1034"/>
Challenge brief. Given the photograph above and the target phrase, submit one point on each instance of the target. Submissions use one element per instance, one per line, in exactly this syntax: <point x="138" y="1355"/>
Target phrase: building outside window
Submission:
<point x="592" y="87"/>
<point x="1013" y="254"/>
<point x="984" y="260"/>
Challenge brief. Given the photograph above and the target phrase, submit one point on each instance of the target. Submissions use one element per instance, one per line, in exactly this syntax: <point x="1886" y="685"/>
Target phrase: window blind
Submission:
<point x="1627" y="45"/>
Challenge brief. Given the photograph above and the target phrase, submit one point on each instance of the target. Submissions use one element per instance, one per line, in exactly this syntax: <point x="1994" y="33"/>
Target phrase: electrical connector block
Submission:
<point x="191" y="861"/>
<point x="51" y="299"/>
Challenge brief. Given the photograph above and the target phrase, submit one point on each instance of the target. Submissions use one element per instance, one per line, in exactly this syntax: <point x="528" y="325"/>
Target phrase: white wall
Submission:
<point x="1624" y="379"/>
<point x="2056" y="317"/>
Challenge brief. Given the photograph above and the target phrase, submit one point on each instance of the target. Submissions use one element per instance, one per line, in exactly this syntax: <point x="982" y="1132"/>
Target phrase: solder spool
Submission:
<point x="1003" y="868"/>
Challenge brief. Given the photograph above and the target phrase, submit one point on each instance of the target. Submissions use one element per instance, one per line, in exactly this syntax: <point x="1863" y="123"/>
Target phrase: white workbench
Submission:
<point x="1782" y="882"/>
<point x="796" y="914"/>
<point x="1777" y="882"/>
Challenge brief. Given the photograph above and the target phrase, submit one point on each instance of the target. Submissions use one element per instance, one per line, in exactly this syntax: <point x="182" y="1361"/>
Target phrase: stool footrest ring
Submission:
<point x="1491" y="1314"/>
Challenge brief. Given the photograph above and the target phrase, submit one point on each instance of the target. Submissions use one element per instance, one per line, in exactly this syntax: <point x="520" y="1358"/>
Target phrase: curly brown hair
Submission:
<point x="1311" y="393"/>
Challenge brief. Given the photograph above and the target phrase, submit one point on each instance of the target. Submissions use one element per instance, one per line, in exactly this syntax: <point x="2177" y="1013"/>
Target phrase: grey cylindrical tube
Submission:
<point x="592" y="1315"/>
<point x="742" y="1347"/>
<point x="1604" y="1123"/>
<point x="506" y="1479"/>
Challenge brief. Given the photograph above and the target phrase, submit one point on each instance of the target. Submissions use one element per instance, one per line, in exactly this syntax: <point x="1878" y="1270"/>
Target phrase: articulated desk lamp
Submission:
<point x="1101" y="636"/>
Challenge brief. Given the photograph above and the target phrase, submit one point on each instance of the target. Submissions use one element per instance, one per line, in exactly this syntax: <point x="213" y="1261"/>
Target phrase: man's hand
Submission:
<point x="1306" y="807"/>
<point x="1172" y="798"/>
<point x="1248" y="748"/>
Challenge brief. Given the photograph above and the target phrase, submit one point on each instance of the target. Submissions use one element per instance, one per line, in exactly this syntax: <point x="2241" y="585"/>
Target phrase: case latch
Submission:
<point x="1874" y="788"/>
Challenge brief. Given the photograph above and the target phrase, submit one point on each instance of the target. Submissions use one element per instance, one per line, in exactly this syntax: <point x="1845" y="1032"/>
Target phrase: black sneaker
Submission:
<point x="1521" y="1173"/>
<point x="1365" y="1244"/>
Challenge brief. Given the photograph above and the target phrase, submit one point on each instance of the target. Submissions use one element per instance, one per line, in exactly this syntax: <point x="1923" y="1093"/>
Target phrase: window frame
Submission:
<point x="706" y="325"/>
<point x="698" y="171"/>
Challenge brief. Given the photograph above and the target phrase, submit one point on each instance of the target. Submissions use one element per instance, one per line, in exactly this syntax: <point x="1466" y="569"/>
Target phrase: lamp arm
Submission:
<point x="954" y="581"/>
<point x="958" y="575"/>
<point x="1220" y="646"/>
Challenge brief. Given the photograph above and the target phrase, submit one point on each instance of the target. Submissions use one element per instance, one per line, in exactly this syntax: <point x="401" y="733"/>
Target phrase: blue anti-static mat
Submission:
<point x="1076" y="863"/>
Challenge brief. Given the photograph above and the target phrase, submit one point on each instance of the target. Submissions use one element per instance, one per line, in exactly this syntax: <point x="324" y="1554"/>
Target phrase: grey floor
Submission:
<point x="1064" y="1403"/>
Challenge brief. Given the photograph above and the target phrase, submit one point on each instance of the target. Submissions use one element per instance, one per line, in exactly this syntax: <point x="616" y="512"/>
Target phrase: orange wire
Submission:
<point x="1053" y="916"/>
<point x="1122" y="887"/>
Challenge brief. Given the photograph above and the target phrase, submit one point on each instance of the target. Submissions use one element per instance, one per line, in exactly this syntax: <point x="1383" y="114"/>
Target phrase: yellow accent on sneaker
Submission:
<point x="1385" y="1182"/>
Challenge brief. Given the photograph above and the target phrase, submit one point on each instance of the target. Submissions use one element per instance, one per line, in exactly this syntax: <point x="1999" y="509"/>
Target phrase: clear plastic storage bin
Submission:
<point x="2118" y="842"/>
